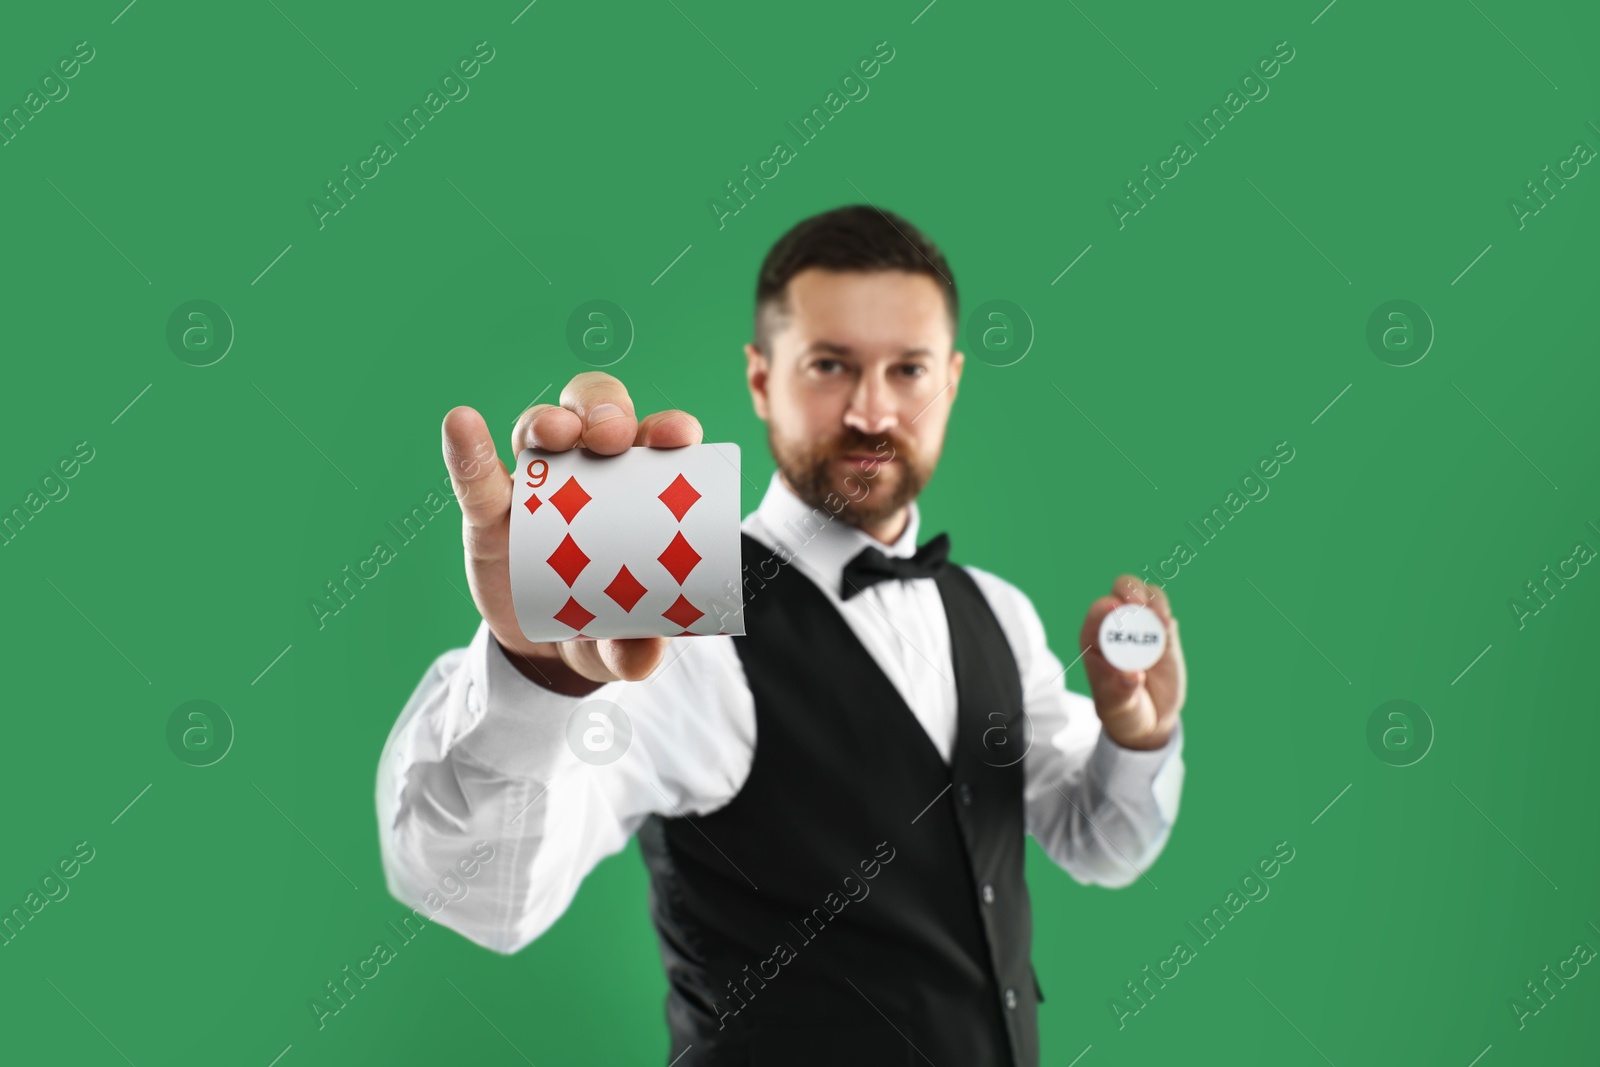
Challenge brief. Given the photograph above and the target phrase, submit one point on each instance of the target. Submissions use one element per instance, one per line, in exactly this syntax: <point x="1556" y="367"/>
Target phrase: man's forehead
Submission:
<point x="867" y="310"/>
<point x="815" y="289"/>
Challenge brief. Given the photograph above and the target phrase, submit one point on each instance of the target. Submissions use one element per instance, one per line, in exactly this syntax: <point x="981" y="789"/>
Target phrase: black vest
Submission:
<point x="859" y="901"/>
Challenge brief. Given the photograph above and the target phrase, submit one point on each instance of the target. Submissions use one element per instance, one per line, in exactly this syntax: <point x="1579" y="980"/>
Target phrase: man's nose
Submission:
<point x="872" y="407"/>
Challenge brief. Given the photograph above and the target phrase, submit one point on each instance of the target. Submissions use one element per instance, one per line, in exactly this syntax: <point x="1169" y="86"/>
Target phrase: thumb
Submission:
<point x="481" y="483"/>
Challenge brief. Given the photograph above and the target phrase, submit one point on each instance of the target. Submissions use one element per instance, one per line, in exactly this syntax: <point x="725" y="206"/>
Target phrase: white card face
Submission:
<point x="641" y="544"/>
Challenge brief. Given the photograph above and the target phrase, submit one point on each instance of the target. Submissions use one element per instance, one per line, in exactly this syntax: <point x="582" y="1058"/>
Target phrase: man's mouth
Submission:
<point x="864" y="459"/>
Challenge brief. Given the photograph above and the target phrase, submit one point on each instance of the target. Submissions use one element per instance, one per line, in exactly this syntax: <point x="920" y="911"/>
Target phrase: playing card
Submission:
<point x="641" y="544"/>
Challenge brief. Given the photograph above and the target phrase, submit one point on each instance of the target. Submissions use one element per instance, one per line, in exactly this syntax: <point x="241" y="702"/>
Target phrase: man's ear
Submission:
<point x="957" y="361"/>
<point x="756" y="368"/>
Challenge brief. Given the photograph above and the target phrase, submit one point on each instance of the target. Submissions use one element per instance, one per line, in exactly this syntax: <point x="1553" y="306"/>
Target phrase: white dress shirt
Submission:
<point x="480" y="753"/>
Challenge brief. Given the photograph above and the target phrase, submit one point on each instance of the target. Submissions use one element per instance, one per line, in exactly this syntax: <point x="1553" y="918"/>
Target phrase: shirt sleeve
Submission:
<point x="478" y="774"/>
<point x="1101" y="812"/>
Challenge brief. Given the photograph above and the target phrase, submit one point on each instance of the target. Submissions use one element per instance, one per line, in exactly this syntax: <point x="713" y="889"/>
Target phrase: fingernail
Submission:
<point x="601" y="412"/>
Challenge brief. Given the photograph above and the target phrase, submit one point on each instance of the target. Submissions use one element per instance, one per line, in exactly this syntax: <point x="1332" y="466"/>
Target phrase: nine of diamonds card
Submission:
<point x="641" y="544"/>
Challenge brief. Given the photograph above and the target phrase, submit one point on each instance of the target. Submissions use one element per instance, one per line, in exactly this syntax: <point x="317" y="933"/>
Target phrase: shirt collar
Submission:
<point x="815" y="539"/>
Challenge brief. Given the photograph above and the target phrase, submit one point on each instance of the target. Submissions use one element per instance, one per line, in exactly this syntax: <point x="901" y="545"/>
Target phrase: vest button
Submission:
<point x="966" y="794"/>
<point x="988" y="893"/>
<point x="1011" y="998"/>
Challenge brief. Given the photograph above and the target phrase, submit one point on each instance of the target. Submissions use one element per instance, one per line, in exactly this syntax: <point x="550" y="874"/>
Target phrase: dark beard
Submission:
<point x="868" y="497"/>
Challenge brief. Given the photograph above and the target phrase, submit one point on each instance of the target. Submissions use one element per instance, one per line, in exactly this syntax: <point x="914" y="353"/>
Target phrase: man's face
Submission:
<point x="856" y="390"/>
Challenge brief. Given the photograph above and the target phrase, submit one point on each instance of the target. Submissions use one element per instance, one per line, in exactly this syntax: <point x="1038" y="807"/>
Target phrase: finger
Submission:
<point x="482" y="484"/>
<point x="669" y="429"/>
<point x="1133" y="591"/>
<point x="583" y="657"/>
<point x="607" y="660"/>
<point x="602" y="402"/>
<point x="633" y="658"/>
<point x="1174" y="652"/>
<point x="547" y="426"/>
<point x="1161" y="604"/>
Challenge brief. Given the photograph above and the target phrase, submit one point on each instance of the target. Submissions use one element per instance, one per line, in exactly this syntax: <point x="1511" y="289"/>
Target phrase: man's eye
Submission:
<point x="914" y="370"/>
<point x="827" y="366"/>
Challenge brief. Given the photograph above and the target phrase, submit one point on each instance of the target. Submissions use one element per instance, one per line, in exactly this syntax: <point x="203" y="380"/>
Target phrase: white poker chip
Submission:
<point x="1132" y="638"/>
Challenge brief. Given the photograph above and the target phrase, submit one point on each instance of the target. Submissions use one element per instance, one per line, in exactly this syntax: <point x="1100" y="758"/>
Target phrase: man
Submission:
<point x="832" y="806"/>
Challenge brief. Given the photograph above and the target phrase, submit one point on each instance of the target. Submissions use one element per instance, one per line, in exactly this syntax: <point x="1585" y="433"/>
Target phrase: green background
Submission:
<point x="1224" y="318"/>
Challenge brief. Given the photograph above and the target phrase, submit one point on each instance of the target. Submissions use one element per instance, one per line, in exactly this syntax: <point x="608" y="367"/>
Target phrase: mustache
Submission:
<point x="885" y="446"/>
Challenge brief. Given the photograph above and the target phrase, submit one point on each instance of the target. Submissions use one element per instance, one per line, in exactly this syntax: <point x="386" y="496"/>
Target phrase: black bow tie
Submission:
<point x="870" y="565"/>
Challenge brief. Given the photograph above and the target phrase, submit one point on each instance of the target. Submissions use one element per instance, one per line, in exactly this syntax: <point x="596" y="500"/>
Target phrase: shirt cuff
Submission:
<point x="1129" y="774"/>
<point x="519" y="727"/>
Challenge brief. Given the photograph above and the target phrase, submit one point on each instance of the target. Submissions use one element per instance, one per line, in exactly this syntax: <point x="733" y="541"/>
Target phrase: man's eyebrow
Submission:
<point x="845" y="350"/>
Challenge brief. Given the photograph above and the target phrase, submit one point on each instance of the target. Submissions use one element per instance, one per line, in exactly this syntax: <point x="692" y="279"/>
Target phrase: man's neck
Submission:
<point x="889" y="530"/>
<point x="886" y="531"/>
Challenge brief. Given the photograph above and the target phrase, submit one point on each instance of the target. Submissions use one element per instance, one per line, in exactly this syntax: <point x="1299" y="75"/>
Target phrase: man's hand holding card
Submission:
<point x="562" y="555"/>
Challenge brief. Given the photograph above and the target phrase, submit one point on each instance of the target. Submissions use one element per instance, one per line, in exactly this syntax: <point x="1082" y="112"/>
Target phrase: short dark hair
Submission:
<point x="855" y="238"/>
